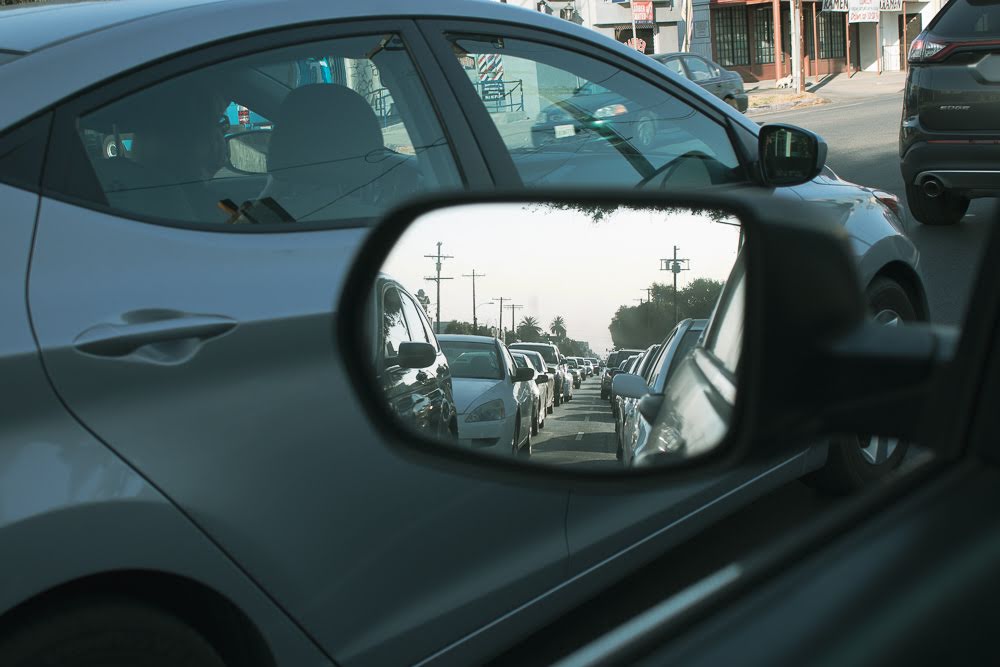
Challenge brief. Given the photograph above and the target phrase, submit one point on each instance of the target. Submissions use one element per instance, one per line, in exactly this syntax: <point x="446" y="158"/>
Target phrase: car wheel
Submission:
<point x="946" y="209"/>
<point x="854" y="462"/>
<point x="109" y="632"/>
<point x="604" y="395"/>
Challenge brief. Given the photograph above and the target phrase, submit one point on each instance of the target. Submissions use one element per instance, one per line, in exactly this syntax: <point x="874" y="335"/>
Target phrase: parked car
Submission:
<point x="639" y="417"/>
<point x="553" y="364"/>
<point x="537" y="408"/>
<point x="412" y="370"/>
<point x="158" y="357"/>
<point x="717" y="80"/>
<point x="613" y="367"/>
<point x="544" y="379"/>
<point x="493" y="396"/>
<point x="949" y="136"/>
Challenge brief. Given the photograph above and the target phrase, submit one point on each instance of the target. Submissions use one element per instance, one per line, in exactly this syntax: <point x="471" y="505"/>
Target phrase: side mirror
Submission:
<point x="248" y="151"/>
<point x="542" y="379"/>
<point x="629" y="385"/>
<point x="524" y="374"/>
<point x="789" y="155"/>
<point x="416" y="355"/>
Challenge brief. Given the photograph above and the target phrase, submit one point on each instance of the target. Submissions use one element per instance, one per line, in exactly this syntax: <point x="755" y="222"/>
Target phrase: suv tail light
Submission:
<point x="925" y="48"/>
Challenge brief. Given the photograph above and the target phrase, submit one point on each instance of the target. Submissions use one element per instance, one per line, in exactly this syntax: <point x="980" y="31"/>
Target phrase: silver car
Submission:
<point x="546" y="383"/>
<point x="183" y="435"/>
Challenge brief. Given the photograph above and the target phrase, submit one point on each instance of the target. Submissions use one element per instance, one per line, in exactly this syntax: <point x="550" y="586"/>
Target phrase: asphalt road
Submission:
<point x="862" y="136"/>
<point x="581" y="431"/>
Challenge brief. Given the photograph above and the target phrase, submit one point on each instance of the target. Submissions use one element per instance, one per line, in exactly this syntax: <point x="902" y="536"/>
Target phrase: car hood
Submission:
<point x="469" y="392"/>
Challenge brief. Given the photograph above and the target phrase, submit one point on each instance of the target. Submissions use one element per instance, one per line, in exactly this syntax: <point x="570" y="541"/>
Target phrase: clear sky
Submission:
<point x="554" y="262"/>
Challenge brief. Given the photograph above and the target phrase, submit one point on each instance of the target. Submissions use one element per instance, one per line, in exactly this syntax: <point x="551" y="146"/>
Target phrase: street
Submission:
<point x="862" y="136"/>
<point x="581" y="431"/>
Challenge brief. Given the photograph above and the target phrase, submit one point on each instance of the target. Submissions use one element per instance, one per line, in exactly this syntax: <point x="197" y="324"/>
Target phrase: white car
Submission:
<point x="537" y="410"/>
<point x="543" y="378"/>
<point x="493" y="396"/>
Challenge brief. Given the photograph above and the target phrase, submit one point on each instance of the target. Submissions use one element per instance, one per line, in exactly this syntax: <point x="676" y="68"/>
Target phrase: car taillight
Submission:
<point x="927" y="49"/>
<point x="891" y="201"/>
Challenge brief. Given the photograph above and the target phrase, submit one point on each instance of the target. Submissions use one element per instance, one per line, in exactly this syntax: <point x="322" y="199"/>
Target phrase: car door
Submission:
<point x="203" y="352"/>
<point x="704" y="74"/>
<point x="546" y="130"/>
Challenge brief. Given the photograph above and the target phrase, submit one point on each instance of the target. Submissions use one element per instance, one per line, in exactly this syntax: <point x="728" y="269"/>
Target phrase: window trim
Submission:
<point x="498" y="157"/>
<point x="184" y="62"/>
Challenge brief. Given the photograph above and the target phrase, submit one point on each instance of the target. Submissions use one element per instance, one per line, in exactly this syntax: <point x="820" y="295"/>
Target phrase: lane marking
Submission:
<point x="579" y="436"/>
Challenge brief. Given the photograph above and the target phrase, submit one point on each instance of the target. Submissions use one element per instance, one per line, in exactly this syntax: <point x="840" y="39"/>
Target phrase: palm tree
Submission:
<point x="529" y="329"/>
<point x="558" y="327"/>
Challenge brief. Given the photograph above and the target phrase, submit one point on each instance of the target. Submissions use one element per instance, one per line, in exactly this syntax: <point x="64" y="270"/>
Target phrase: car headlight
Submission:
<point x="611" y="110"/>
<point x="488" y="412"/>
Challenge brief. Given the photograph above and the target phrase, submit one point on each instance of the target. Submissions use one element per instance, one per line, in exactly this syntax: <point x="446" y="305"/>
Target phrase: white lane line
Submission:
<point x="579" y="436"/>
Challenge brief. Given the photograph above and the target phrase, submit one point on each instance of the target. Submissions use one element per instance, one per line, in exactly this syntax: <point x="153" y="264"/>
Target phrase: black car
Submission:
<point x="412" y="369"/>
<point x="723" y="83"/>
<point x="949" y="138"/>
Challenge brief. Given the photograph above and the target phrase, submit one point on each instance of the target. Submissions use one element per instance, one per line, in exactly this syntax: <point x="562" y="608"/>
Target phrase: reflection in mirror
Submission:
<point x="516" y="300"/>
<point x="248" y="151"/>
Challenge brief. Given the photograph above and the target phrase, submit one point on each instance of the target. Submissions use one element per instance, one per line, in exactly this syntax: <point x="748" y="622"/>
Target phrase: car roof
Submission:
<point x="466" y="338"/>
<point x="68" y="44"/>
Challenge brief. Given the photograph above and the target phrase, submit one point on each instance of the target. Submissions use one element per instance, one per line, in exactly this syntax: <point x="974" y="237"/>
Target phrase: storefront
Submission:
<point x="656" y="22"/>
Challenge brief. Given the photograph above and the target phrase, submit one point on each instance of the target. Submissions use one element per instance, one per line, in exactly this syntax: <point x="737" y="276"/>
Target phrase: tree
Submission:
<point x="464" y="328"/>
<point x="558" y="327"/>
<point x="648" y="323"/>
<point x="529" y="330"/>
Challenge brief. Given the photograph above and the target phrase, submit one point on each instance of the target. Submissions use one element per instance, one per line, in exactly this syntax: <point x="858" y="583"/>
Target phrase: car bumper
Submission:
<point x="970" y="169"/>
<point x="494" y="435"/>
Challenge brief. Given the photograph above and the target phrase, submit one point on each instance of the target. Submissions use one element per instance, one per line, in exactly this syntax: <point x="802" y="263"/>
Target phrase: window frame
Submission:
<point x="494" y="150"/>
<point x="60" y="184"/>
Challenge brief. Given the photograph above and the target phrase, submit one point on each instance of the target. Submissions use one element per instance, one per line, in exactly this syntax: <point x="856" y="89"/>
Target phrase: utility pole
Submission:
<point x="474" y="275"/>
<point x="500" y="319"/>
<point x="649" y="293"/>
<point x="675" y="265"/>
<point x="513" y="307"/>
<point x="437" y="278"/>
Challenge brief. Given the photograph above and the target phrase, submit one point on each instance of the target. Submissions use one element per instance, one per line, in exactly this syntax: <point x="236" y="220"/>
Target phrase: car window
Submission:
<point x="674" y="65"/>
<point x="547" y="352"/>
<point x="473" y="360"/>
<point x="699" y="69"/>
<point x="725" y="336"/>
<point x="654" y="368"/>
<point x="967" y="20"/>
<point x="520" y="361"/>
<point x="319" y="132"/>
<point x="394" y="330"/>
<point x="633" y="134"/>
<point x="413" y="321"/>
<point x="509" y="361"/>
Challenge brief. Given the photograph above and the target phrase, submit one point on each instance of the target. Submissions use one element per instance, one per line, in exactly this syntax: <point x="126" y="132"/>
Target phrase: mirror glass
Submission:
<point x="521" y="303"/>
<point x="788" y="155"/>
<point x="248" y="151"/>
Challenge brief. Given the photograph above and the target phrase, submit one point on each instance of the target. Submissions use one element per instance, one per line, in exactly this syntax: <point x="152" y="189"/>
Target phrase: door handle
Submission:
<point x="142" y="328"/>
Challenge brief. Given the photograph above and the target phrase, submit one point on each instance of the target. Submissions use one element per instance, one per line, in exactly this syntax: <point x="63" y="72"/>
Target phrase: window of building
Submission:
<point x="763" y="34"/>
<point x="732" y="43"/>
<point x="832" y="39"/>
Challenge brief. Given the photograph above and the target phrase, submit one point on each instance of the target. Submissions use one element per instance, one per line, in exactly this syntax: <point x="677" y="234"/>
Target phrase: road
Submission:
<point x="862" y="137"/>
<point x="581" y="431"/>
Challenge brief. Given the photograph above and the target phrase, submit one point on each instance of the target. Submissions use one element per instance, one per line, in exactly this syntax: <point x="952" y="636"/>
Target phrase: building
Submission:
<point x="741" y="35"/>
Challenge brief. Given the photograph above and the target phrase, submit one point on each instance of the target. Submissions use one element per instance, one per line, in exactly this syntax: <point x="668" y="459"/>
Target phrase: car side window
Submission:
<point x="394" y="329"/>
<point x="725" y="337"/>
<point x="699" y="69"/>
<point x="413" y="321"/>
<point x="307" y="133"/>
<point x="569" y="119"/>
<point x="508" y="360"/>
<point x="674" y="65"/>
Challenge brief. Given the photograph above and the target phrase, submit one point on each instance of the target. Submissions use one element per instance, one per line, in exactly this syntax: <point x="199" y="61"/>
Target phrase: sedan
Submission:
<point x="543" y="377"/>
<point x="493" y="396"/>
<point x="723" y="83"/>
<point x="538" y="409"/>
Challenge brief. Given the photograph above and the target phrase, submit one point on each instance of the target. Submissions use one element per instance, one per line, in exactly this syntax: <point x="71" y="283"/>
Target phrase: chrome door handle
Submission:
<point x="137" y="330"/>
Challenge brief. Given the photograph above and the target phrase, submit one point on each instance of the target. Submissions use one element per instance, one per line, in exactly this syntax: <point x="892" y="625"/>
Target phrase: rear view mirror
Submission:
<point x="416" y="355"/>
<point x="542" y="378"/>
<point x="524" y="374"/>
<point x="789" y="155"/>
<point x="628" y="385"/>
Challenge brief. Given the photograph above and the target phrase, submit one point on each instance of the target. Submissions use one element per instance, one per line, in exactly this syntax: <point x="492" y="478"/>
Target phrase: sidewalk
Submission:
<point x="764" y="97"/>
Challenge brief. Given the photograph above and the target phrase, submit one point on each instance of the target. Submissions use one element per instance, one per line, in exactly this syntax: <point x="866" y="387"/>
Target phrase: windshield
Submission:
<point x="475" y="361"/>
<point x="547" y="351"/>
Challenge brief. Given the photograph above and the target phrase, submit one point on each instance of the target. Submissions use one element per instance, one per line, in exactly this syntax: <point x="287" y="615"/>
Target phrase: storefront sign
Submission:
<point x="637" y="43"/>
<point x="835" y="5"/>
<point x="862" y="11"/>
<point x="642" y="12"/>
<point x="890" y="5"/>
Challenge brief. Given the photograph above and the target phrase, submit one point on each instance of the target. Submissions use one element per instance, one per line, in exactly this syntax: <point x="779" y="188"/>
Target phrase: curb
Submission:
<point x="787" y="106"/>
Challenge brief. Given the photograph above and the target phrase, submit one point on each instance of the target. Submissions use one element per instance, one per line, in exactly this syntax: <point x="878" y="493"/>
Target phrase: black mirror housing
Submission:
<point x="524" y="374"/>
<point x="416" y="355"/>
<point x="542" y="378"/>
<point x="789" y="155"/>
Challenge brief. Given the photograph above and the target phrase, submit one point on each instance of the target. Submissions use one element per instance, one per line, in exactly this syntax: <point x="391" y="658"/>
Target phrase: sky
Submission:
<point x="555" y="262"/>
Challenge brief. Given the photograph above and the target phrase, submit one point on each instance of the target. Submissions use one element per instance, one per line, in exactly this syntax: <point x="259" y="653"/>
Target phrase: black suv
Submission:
<point x="949" y="139"/>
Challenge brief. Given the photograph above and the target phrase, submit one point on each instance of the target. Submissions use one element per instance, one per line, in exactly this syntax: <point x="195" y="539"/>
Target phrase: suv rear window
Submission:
<point x="547" y="351"/>
<point x="968" y="19"/>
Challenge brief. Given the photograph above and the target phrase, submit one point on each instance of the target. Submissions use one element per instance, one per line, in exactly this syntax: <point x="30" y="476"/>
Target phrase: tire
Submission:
<point x="948" y="209"/>
<point x="110" y="632"/>
<point x="604" y="395"/>
<point x="854" y="462"/>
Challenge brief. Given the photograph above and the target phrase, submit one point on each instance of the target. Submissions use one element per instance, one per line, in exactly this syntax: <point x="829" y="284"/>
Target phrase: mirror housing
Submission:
<point x="524" y="374"/>
<point x="629" y="385"/>
<point x="541" y="378"/>
<point x="416" y="355"/>
<point x="789" y="155"/>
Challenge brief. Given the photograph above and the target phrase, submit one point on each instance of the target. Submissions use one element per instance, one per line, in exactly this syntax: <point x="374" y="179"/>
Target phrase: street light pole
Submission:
<point x="437" y="279"/>
<point x="675" y="265"/>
